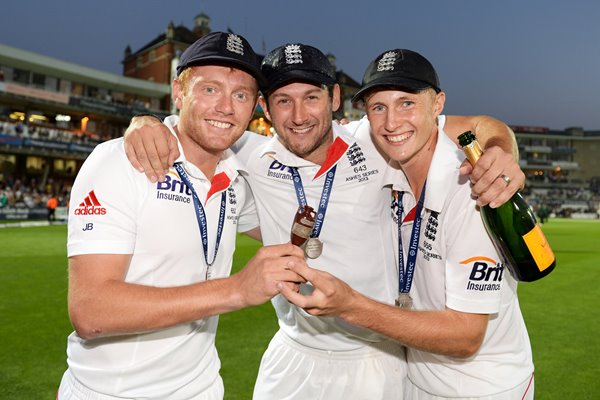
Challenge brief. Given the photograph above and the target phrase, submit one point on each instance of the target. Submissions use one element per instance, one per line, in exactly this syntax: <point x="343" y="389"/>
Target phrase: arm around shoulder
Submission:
<point x="489" y="131"/>
<point x="497" y="175"/>
<point x="150" y="146"/>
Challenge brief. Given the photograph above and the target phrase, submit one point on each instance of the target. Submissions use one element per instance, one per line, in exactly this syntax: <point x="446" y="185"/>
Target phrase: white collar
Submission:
<point x="228" y="163"/>
<point x="444" y="165"/>
<point x="276" y="150"/>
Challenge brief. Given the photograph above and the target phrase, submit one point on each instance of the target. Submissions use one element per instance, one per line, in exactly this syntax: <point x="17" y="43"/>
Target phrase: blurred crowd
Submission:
<point x="31" y="194"/>
<point x="563" y="202"/>
<point x="55" y="134"/>
<point x="20" y="194"/>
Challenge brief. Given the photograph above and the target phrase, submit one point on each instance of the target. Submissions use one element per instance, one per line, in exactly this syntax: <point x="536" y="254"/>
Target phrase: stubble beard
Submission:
<point x="323" y="137"/>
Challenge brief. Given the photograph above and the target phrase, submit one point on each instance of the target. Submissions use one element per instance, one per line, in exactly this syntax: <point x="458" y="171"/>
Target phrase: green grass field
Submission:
<point x="559" y="311"/>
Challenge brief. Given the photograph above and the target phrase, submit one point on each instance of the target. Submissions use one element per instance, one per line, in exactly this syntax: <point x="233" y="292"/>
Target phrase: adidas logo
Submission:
<point x="90" y="206"/>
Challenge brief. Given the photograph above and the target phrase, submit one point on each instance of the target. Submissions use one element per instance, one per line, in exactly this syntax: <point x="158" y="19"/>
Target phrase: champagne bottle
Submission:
<point x="514" y="229"/>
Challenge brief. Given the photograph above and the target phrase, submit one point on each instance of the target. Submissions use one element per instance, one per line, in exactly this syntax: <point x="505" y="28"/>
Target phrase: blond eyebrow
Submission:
<point x="219" y="83"/>
<point x="408" y="96"/>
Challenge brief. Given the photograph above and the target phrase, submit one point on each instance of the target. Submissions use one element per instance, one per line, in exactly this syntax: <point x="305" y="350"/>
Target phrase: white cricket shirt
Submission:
<point x="358" y="245"/>
<point x="116" y="210"/>
<point x="458" y="267"/>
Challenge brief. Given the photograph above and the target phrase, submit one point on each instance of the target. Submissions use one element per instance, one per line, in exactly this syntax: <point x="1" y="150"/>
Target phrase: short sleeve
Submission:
<point x="474" y="270"/>
<point x="102" y="209"/>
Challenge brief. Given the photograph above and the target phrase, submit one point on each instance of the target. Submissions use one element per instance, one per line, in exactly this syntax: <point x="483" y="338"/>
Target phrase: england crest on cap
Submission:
<point x="398" y="68"/>
<point x="235" y="44"/>
<point x="296" y="62"/>
<point x="387" y="61"/>
<point x="221" y="48"/>
<point x="293" y="54"/>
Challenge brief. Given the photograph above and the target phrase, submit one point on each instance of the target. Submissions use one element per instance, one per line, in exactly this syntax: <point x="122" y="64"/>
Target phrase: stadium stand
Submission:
<point x="53" y="113"/>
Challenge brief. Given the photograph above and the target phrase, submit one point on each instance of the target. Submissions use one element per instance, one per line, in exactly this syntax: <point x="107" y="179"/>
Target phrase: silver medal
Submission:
<point x="313" y="248"/>
<point x="404" y="301"/>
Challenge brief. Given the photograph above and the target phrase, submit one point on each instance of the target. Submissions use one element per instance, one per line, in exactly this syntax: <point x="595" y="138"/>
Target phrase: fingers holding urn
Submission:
<point x="271" y="265"/>
<point x="330" y="296"/>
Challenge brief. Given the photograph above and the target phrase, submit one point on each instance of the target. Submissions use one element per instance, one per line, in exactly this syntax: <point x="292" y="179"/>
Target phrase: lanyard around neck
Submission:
<point x="201" y="218"/>
<point x="405" y="275"/>
<point x="323" y="203"/>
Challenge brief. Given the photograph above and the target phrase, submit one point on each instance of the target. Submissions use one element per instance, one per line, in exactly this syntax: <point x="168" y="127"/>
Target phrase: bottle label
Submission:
<point x="539" y="247"/>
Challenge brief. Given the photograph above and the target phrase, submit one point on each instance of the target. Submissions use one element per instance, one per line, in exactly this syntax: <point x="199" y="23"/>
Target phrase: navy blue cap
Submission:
<point x="296" y="62"/>
<point x="220" y="48"/>
<point x="399" y="68"/>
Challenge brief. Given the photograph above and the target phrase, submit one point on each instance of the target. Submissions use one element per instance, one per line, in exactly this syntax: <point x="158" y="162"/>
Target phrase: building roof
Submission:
<point x="34" y="62"/>
<point x="344" y="79"/>
<point x="180" y="34"/>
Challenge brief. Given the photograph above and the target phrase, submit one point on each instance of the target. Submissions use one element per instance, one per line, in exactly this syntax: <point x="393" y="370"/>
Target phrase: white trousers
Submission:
<point x="524" y="391"/>
<point x="72" y="389"/>
<point x="291" y="371"/>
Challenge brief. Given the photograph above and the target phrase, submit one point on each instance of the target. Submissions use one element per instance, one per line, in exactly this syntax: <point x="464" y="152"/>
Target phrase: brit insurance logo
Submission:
<point x="486" y="274"/>
<point x="90" y="206"/>
<point x="279" y="171"/>
<point x="173" y="189"/>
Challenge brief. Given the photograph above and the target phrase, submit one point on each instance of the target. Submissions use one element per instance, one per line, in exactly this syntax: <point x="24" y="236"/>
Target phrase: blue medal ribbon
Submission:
<point x="405" y="275"/>
<point x="323" y="203"/>
<point x="201" y="218"/>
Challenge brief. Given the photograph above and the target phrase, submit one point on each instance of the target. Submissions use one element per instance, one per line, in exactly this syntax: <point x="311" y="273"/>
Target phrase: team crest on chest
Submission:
<point x="428" y="247"/>
<point x="232" y="215"/>
<point x="355" y="155"/>
<point x="432" y="225"/>
<point x="231" y="196"/>
<point x="360" y="171"/>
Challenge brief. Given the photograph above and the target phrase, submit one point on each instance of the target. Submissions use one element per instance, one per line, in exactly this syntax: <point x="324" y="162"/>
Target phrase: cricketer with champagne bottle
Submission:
<point x="457" y="309"/>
